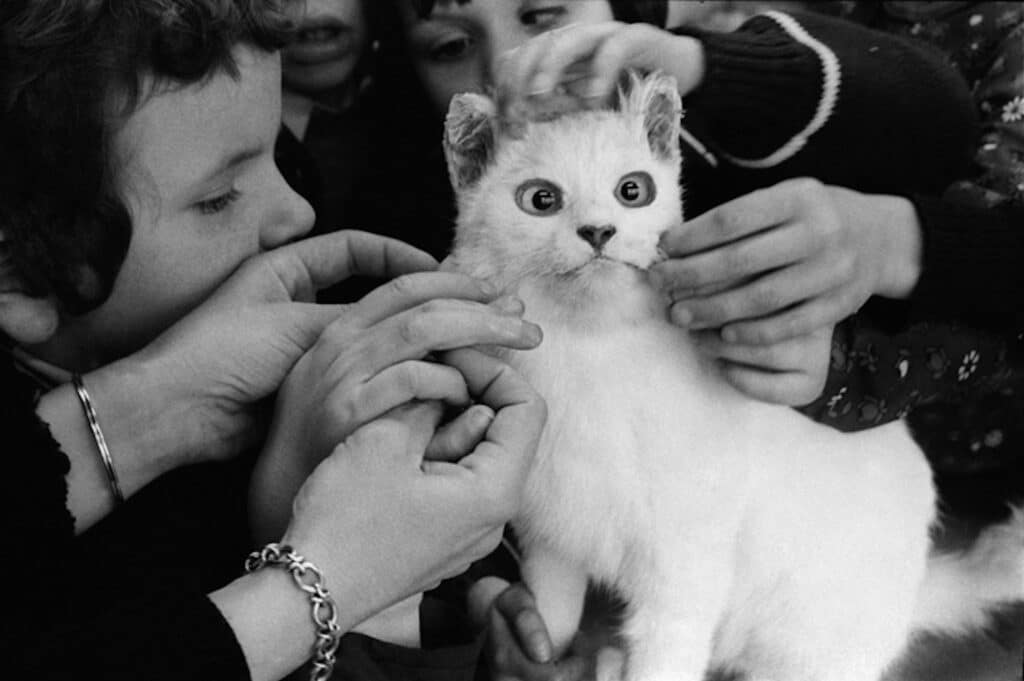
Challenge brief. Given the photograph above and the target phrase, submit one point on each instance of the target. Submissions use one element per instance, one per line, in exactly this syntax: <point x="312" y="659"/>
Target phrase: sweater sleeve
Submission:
<point x="70" y="613"/>
<point x="973" y="264"/>
<point x="808" y="95"/>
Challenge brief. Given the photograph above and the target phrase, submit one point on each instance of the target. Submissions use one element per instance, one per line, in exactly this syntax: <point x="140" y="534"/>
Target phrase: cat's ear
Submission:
<point x="655" y="97"/>
<point x="470" y="133"/>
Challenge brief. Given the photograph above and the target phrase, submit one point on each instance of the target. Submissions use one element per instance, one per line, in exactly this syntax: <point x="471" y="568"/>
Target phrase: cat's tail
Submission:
<point x="963" y="589"/>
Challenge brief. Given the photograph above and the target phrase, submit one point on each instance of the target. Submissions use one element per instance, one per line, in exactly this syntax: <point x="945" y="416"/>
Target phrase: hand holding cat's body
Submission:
<point x="740" y="533"/>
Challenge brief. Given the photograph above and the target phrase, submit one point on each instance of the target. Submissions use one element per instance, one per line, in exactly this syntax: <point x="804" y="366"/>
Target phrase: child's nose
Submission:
<point x="293" y="219"/>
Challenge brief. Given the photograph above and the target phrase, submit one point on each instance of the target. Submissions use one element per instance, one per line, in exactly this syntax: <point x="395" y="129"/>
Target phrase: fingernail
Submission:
<point x="682" y="316"/>
<point x="509" y="304"/>
<point x="533" y="333"/>
<point x="541" y="648"/>
<point x="488" y="289"/>
<point x="595" y="88"/>
<point x="541" y="85"/>
<point x="482" y="414"/>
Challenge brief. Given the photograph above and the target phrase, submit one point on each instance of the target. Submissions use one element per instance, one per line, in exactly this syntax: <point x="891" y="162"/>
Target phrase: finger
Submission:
<point x="754" y="255"/>
<point x="517" y="606"/>
<point x="454" y="440"/>
<point x="614" y="54"/>
<point x="790" y="388"/>
<point x="506" y="659"/>
<point x="502" y="460"/>
<point x="481" y="597"/>
<point x="797" y="321"/>
<point x="396" y="385"/>
<point x="567" y="48"/>
<point x="404" y="429"/>
<point x="519" y="410"/>
<point x="434" y="327"/>
<point x="417" y="423"/>
<point x="304" y="267"/>
<point x="407" y="292"/>
<point x="759" y="298"/>
<point x="754" y="212"/>
<point x="782" y="357"/>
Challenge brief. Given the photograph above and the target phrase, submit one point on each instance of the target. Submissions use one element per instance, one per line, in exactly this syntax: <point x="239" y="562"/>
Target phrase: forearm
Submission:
<point x="809" y="95"/>
<point x="142" y="446"/>
<point x="971" y="264"/>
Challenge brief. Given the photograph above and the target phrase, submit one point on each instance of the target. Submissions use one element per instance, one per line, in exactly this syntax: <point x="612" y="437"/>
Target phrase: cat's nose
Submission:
<point x="596" y="236"/>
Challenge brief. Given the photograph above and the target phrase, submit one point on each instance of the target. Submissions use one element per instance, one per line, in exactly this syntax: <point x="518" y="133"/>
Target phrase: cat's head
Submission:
<point x="578" y="200"/>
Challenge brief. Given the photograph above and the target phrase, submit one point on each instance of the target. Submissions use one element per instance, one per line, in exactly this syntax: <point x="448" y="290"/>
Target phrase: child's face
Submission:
<point x="331" y="38"/>
<point x="198" y="177"/>
<point x="456" y="48"/>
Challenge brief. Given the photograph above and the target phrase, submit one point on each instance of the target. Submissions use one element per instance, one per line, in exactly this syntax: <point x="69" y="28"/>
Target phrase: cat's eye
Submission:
<point x="635" y="190"/>
<point x="539" y="197"/>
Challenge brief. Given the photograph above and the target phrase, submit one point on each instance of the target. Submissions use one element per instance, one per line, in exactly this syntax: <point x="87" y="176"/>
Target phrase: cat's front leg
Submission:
<point x="559" y="586"/>
<point x="666" y="644"/>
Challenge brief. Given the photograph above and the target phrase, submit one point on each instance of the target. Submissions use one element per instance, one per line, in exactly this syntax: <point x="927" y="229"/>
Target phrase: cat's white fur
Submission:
<point x="742" y="534"/>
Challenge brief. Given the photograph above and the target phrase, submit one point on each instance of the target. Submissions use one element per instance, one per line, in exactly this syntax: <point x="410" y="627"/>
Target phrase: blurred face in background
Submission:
<point x="332" y="36"/>
<point x="457" y="46"/>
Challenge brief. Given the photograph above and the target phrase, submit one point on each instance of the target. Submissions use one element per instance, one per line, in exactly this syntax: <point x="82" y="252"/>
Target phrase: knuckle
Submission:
<point x="403" y="286"/>
<point x="344" y="411"/>
<point x="807" y="187"/>
<point x="725" y="221"/>
<point x="414" y="328"/>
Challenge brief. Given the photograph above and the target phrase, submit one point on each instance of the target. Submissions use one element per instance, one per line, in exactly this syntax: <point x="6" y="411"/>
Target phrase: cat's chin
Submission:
<point x="600" y="279"/>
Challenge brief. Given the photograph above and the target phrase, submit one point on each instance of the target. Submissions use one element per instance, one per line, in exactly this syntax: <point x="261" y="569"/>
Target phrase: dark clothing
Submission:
<point x="951" y="358"/>
<point x="126" y="599"/>
<point x="763" y="88"/>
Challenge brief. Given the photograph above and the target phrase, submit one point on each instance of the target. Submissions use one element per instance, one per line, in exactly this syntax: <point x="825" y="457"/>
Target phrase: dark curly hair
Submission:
<point x="72" y="71"/>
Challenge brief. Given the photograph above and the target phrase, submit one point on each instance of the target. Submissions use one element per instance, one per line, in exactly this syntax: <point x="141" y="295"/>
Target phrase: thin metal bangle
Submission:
<point x="97" y="436"/>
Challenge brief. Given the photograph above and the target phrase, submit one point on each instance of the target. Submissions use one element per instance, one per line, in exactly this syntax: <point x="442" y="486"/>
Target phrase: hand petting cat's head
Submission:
<point x="576" y="201"/>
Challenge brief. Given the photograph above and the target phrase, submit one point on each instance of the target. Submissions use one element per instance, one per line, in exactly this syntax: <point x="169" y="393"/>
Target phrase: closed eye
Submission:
<point x="218" y="203"/>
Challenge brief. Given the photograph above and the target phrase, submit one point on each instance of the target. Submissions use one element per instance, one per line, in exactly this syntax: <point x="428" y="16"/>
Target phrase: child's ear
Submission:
<point x="469" y="138"/>
<point x="656" y="98"/>
<point x="25" y="319"/>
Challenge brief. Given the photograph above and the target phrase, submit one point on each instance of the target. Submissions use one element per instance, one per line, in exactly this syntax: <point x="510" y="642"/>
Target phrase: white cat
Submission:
<point x="742" y="534"/>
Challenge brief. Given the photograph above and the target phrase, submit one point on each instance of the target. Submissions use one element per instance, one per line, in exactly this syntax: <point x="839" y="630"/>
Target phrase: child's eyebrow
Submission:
<point x="230" y="162"/>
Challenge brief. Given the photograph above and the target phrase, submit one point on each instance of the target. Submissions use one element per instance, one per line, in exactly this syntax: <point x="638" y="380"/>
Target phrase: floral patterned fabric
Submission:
<point x="962" y="389"/>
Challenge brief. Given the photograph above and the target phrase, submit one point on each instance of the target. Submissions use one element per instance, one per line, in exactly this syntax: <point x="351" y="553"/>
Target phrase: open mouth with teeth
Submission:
<point x="321" y="41"/>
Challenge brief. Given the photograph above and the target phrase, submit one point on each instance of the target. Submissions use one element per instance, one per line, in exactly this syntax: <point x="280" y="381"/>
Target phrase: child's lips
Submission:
<point x="320" y="41"/>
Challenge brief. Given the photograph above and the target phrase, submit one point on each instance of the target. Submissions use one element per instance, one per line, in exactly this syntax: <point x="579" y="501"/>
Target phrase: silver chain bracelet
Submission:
<point x="325" y="614"/>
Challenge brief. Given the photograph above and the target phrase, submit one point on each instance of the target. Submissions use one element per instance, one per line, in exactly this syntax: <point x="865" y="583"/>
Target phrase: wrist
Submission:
<point x="146" y="428"/>
<point x="903" y="247"/>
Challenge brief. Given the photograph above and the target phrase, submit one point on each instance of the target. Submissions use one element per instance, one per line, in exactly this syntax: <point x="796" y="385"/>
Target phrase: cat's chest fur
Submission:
<point x="635" y="417"/>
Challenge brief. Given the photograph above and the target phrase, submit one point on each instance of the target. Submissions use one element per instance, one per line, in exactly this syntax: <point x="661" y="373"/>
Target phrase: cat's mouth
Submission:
<point x="602" y="260"/>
